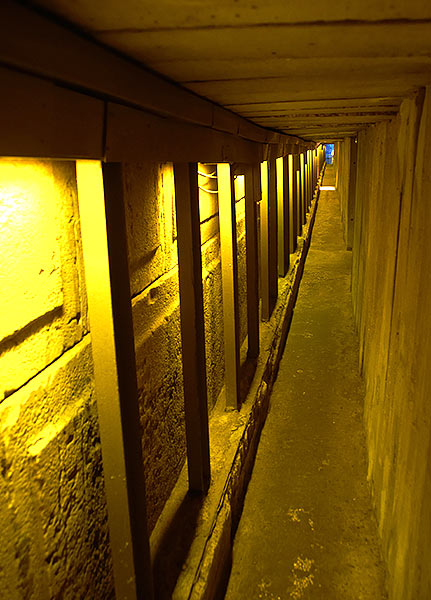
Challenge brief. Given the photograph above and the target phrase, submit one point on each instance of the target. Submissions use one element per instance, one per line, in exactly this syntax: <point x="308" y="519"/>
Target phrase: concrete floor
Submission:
<point x="307" y="528"/>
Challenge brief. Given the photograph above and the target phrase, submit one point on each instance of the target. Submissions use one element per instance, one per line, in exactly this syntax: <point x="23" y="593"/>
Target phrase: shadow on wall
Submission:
<point x="175" y="546"/>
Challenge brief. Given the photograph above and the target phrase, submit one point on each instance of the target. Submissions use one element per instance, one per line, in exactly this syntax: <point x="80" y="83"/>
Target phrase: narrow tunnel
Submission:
<point x="214" y="300"/>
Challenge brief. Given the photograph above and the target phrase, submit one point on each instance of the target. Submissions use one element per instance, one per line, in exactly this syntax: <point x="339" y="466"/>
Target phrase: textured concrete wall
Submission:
<point x="54" y="537"/>
<point x="392" y="302"/>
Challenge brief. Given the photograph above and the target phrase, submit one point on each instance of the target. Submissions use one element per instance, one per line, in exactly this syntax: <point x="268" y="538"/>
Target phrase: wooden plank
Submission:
<point x="326" y="136"/>
<point x="293" y="204"/>
<point x="350" y="85"/>
<point x="299" y="198"/>
<point x="303" y="188"/>
<point x="273" y="234"/>
<point x="38" y="118"/>
<point x="315" y="163"/>
<point x="224" y="120"/>
<point x="252" y="197"/>
<point x="310" y="176"/>
<point x="283" y="215"/>
<point x="317" y="113"/>
<point x="214" y="68"/>
<point x="351" y="202"/>
<point x="55" y="52"/>
<point x="318" y="129"/>
<point x="110" y="311"/>
<point x="311" y="120"/>
<point x="306" y="182"/>
<point x="268" y="240"/>
<point x="229" y="265"/>
<point x="359" y="41"/>
<point x="192" y="325"/>
<point x="248" y="130"/>
<point x="264" y="244"/>
<point x="161" y="16"/>
<point x="38" y="45"/>
<point x="133" y="135"/>
<point x="331" y="105"/>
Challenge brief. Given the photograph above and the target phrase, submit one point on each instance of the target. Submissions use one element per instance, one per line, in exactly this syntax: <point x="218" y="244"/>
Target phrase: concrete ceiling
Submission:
<point x="319" y="71"/>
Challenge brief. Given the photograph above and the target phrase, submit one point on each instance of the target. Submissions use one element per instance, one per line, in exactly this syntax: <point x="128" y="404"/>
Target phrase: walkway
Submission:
<point x="307" y="530"/>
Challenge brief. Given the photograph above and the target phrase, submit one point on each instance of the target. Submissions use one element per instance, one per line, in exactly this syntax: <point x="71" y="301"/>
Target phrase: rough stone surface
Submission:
<point x="53" y="522"/>
<point x="151" y="226"/>
<point x="392" y="299"/>
<point x="308" y="529"/>
<point x="43" y="310"/>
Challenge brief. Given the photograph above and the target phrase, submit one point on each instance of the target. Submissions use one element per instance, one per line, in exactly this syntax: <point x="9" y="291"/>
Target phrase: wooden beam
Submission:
<point x="311" y="121"/>
<point x="351" y="202"/>
<point x="264" y="244"/>
<point x="192" y="325"/>
<point x="273" y="234"/>
<point x="39" y="45"/>
<point x="40" y="119"/>
<point x="303" y="171"/>
<point x="283" y="214"/>
<point x="110" y="312"/>
<point x="310" y="178"/>
<point x="268" y="240"/>
<point x="133" y="135"/>
<point x="293" y="203"/>
<point x="252" y="197"/>
<point x="229" y="265"/>
<point x="333" y="105"/>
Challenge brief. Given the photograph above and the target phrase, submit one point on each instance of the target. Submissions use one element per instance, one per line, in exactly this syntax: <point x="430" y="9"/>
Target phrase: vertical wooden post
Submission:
<point x="104" y="240"/>
<point x="273" y="233"/>
<point x="229" y="265"/>
<point x="313" y="172"/>
<point x="283" y="214"/>
<point x="293" y="204"/>
<point x="351" y="202"/>
<point x="268" y="239"/>
<point x="303" y="189"/>
<point x="252" y="196"/>
<point x="297" y="160"/>
<point x="336" y="161"/>
<point x="264" y="244"/>
<point x="192" y="325"/>
<point x="310" y="182"/>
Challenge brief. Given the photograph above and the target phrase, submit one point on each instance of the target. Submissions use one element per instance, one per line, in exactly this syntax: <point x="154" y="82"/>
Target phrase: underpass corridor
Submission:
<point x="215" y="300"/>
<point x="307" y="528"/>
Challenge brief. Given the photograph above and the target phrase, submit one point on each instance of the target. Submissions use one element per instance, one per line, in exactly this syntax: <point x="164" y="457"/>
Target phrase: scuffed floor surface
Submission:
<point x="308" y="530"/>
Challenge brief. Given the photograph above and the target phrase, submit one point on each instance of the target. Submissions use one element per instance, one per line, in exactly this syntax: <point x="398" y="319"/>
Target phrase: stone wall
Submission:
<point x="53" y="519"/>
<point x="53" y="523"/>
<point x="150" y="203"/>
<point x="392" y="302"/>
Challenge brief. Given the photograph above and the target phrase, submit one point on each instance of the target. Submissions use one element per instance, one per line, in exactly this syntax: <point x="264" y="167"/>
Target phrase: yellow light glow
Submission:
<point x="95" y="247"/>
<point x="30" y="273"/>
<point x="327" y="188"/>
<point x="240" y="197"/>
<point x="264" y="180"/>
<point x="280" y="180"/>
